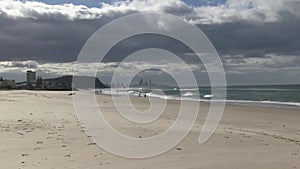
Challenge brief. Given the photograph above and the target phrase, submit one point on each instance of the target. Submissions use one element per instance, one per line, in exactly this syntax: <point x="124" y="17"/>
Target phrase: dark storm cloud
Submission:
<point x="47" y="37"/>
<point x="43" y="40"/>
<point x="255" y="39"/>
<point x="58" y="36"/>
<point x="139" y="42"/>
<point x="60" y="40"/>
<point x="241" y="38"/>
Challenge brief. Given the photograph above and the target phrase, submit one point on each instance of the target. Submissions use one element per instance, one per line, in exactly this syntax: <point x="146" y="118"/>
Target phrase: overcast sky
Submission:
<point x="258" y="40"/>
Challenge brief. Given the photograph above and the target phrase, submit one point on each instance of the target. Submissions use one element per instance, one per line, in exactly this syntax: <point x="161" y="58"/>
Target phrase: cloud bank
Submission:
<point x="231" y="11"/>
<point x="250" y="35"/>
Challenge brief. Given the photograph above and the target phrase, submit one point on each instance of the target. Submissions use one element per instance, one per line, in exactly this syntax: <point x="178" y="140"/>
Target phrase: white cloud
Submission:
<point x="237" y="63"/>
<point x="28" y="9"/>
<point x="60" y="69"/>
<point x="232" y="10"/>
<point x="234" y="65"/>
<point x="270" y="62"/>
<point x="52" y="68"/>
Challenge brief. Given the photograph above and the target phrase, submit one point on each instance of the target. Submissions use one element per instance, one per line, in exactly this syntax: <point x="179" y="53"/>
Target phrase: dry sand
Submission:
<point x="40" y="130"/>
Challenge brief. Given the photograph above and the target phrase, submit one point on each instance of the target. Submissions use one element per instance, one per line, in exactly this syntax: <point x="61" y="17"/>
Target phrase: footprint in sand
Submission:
<point x="245" y="136"/>
<point x="39" y="142"/>
<point x="178" y="148"/>
<point x="68" y="155"/>
<point x="20" y="133"/>
<point x="24" y="155"/>
<point x="37" y="148"/>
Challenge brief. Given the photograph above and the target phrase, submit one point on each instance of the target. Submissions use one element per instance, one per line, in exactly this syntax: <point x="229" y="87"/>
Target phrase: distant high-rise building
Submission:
<point x="31" y="77"/>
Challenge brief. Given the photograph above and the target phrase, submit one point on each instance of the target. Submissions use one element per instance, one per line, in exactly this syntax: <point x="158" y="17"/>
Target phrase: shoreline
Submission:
<point x="255" y="103"/>
<point x="250" y="103"/>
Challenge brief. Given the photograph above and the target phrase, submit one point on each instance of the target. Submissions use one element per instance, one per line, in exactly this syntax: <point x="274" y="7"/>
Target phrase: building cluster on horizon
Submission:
<point x="11" y="84"/>
<point x="7" y="84"/>
<point x="148" y="84"/>
<point x="31" y="78"/>
<point x="141" y="83"/>
<point x="34" y="82"/>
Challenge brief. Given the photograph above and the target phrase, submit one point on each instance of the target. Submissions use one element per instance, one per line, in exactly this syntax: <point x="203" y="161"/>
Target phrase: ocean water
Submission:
<point x="287" y="96"/>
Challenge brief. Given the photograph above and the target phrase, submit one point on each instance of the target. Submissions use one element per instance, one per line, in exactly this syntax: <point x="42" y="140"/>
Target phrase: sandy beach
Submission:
<point x="40" y="129"/>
